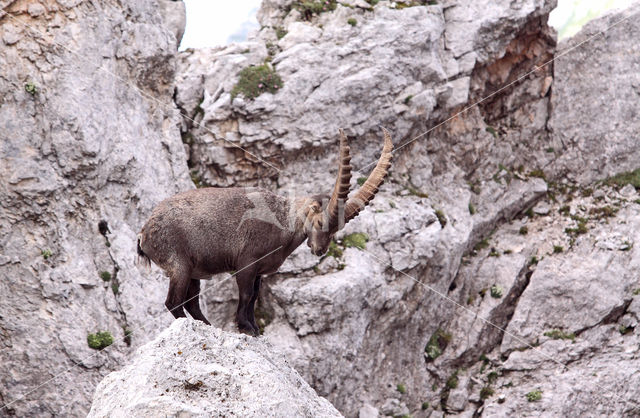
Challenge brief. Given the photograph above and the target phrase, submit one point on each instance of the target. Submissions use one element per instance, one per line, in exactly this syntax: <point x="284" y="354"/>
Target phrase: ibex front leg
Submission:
<point x="244" y="315"/>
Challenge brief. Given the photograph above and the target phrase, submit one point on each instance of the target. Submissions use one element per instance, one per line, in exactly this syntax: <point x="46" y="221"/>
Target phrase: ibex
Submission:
<point x="206" y="231"/>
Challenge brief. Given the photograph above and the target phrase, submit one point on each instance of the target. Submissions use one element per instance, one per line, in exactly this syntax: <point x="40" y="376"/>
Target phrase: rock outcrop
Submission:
<point x="493" y="274"/>
<point x="88" y="133"/>
<point x="200" y="371"/>
<point x="472" y="201"/>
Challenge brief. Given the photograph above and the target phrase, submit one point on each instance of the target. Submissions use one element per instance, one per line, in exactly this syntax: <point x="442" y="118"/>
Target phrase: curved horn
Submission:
<point x="342" y="186"/>
<point x="367" y="192"/>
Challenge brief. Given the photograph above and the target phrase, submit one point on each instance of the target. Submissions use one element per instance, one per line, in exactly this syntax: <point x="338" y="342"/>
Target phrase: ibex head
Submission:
<point x="325" y="215"/>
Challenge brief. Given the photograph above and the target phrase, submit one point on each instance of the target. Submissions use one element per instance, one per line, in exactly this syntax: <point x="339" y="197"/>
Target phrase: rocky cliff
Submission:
<point x="88" y="133"/>
<point x="465" y="294"/>
<point x="494" y="274"/>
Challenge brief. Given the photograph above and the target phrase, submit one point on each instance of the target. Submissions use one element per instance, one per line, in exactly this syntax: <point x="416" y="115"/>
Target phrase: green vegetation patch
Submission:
<point x="100" y="340"/>
<point x="255" y="80"/>
<point x="452" y="381"/>
<point x="557" y="249"/>
<point x="280" y="32"/>
<point x="441" y="218"/>
<point x="352" y="21"/>
<point x="31" y="88"/>
<point x="557" y="334"/>
<point x="437" y="343"/>
<point x="361" y="180"/>
<point x="472" y="209"/>
<point x="400" y="387"/>
<point x="310" y="8"/>
<point x="523" y="230"/>
<point x="357" y="240"/>
<point x="486" y="392"/>
<point x="105" y="275"/>
<point x="334" y="250"/>
<point x="622" y="179"/>
<point x="534" y="395"/>
<point x="46" y="253"/>
<point x="496" y="291"/>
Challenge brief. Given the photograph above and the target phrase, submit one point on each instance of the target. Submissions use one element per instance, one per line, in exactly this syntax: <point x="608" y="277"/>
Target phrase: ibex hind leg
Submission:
<point x="245" y="280"/>
<point x="252" y="303"/>
<point x="178" y="286"/>
<point x="193" y="302"/>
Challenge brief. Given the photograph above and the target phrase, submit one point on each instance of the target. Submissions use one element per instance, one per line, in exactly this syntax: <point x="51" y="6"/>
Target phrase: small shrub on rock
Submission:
<point x="100" y="340"/>
<point x="255" y="80"/>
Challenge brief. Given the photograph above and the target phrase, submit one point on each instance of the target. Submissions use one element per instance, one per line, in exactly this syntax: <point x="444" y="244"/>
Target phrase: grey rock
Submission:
<point x="598" y="133"/>
<point x="89" y="144"/>
<point x="211" y="373"/>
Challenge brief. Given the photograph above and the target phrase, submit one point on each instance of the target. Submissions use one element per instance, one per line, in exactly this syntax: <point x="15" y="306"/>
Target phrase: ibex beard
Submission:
<point x="199" y="233"/>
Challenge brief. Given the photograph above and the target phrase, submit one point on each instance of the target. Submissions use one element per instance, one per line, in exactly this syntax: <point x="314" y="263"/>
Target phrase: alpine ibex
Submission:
<point x="198" y="233"/>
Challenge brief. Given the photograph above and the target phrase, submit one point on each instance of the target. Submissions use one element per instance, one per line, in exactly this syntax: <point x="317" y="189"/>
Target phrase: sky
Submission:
<point x="220" y="22"/>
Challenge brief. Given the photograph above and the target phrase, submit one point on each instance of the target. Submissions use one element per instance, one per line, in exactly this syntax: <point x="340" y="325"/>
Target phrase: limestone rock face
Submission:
<point x="455" y="213"/>
<point x="88" y="133"/>
<point x="598" y="134"/>
<point x="196" y="370"/>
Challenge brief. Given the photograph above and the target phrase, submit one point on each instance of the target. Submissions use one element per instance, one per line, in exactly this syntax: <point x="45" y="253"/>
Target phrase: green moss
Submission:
<point x="534" y="395"/>
<point x="556" y="334"/>
<point x="255" y="80"/>
<point x="492" y="131"/>
<point x="494" y="253"/>
<point x="506" y="252"/>
<point x="486" y="392"/>
<point x="401" y="388"/>
<point x="472" y="209"/>
<point x="357" y="240"/>
<point x="604" y="212"/>
<point x="407" y="99"/>
<point x="557" y="249"/>
<point x="538" y="173"/>
<point x="424" y="406"/>
<point x="334" y="250"/>
<point x="492" y="377"/>
<point x="115" y="288"/>
<point x="280" y="32"/>
<point x="452" y="381"/>
<point x="622" y="179"/>
<point x="31" y="88"/>
<point x="352" y="21"/>
<point x="417" y="192"/>
<point x="361" y="180"/>
<point x="581" y="227"/>
<point x="195" y="178"/>
<point x="496" y="291"/>
<point x="46" y="253"/>
<point x="392" y="205"/>
<point x="437" y="343"/>
<point x="550" y="150"/>
<point x="624" y="329"/>
<point x="523" y="230"/>
<point x="636" y="292"/>
<point x="105" y="275"/>
<point x="441" y="218"/>
<point x="482" y="244"/>
<point x="127" y="335"/>
<point x="565" y="210"/>
<point x="310" y="8"/>
<point x="100" y="340"/>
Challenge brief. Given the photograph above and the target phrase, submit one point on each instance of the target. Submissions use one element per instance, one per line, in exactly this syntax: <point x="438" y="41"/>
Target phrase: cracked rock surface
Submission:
<point x="504" y="212"/>
<point x="212" y="374"/>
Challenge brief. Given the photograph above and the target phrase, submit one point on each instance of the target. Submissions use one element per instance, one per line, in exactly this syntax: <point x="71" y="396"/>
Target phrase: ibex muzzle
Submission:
<point x="202" y="232"/>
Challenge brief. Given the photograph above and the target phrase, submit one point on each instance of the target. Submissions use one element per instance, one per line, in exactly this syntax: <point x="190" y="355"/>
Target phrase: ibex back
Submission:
<point x="198" y="233"/>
